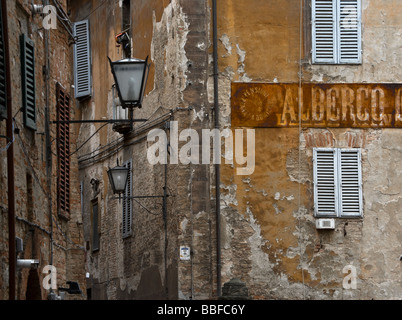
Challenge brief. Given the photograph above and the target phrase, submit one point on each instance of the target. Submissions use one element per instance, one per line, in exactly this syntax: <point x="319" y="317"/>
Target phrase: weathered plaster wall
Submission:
<point x="134" y="268"/>
<point x="268" y="229"/>
<point x="269" y="235"/>
<point x="381" y="31"/>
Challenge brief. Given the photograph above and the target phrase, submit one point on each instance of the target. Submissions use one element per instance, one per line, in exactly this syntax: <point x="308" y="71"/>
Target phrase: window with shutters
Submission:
<point x="95" y="225"/>
<point x="126" y="15"/>
<point x="337" y="183"/>
<point x="63" y="151"/>
<point x="3" y="90"/>
<point x="82" y="60"/>
<point x="27" y="47"/>
<point x="336" y="28"/>
<point x="127" y="201"/>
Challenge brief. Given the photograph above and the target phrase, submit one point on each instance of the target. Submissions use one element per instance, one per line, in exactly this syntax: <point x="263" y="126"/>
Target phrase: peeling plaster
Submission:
<point x="175" y="55"/>
<point x="260" y="260"/>
<point x="241" y="69"/>
<point x="202" y="46"/>
<point x="200" y="115"/>
<point x="370" y="243"/>
<point x="226" y="43"/>
<point x="229" y="198"/>
<point x="288" y="198"/>
<point x="183" y="225"/>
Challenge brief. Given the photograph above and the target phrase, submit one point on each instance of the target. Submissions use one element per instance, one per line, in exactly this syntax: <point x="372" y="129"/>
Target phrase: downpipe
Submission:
<point x="217" y="166"/>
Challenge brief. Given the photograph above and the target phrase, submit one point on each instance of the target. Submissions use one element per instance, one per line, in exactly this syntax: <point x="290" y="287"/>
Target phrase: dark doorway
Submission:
<point x="33" y="287"/>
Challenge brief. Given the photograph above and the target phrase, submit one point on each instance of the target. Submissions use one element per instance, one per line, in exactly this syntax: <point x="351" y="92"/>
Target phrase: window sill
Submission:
<point x="337" y="64"/>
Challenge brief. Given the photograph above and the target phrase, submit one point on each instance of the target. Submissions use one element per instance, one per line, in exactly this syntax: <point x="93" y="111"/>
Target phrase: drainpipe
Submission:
<point x="12" y="255"/>
<point x="49" y="164"/>
<point x="164" y="213"/>
<point x="217" y="166"/>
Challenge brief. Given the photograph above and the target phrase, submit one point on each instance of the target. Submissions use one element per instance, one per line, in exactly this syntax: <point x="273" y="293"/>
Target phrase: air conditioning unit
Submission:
<point x="325" y="224"/>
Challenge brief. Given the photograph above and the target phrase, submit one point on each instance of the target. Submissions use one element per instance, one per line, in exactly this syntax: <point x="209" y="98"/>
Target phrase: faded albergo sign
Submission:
<point x="316" y="105"/>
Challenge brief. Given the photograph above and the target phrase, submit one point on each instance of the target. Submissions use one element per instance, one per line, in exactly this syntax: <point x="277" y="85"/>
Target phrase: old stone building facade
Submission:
<point x="301" y="203"/>
<point x="277" y="80"/>
<point x="266" y="230"/>
<point x="141" y="260"/>
<point x="288" y="82"/>
<point x="47" y="203"/>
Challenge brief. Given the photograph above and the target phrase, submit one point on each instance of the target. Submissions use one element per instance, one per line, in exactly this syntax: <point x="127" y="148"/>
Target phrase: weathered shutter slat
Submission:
<point x="336" y="31"/>
<point x="129" y="195"/>
<point x="127" y="202"/>
<point x="324" y="31"/>
<point x="28" y="81"/>
<point x="63" y="138"/>
<point x="349" y="35"/>
<point x="82" y="60"/>
<point x="3" y="90"/>
<point x="338" y="182"/>
<point x="95" y="226"/>
<point x="325" y="182"/>
<point x="350" y="183"/>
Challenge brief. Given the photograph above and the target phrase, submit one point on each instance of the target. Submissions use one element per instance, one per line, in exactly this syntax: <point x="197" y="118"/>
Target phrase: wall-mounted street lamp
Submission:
<point x="131" y="76"/>
<point x="118" y="177"/>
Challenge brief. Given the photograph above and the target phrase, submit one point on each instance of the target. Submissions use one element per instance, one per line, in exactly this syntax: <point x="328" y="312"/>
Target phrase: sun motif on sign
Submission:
<point x="254" y="104"/>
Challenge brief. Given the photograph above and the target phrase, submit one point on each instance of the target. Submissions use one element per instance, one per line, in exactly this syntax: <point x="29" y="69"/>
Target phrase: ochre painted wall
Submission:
<point x="268" y="227"/>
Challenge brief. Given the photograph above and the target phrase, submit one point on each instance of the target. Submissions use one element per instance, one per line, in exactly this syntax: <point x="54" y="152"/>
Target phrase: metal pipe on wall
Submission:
<point x="49" y="163"/>
<point x="12" y="256"/>
<point x="217" y="166"/>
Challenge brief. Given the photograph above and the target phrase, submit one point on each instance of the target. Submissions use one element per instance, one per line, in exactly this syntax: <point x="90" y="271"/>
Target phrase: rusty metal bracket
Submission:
<point x="140" y="197"/>
<point x="5" y="137"/>
<point x="99" y="121"/>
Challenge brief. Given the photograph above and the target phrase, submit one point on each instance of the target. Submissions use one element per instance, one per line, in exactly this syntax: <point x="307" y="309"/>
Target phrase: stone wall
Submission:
<point x="144" y="265"/>
<point x="35" y="199"/>
<point x="269" y="238"/>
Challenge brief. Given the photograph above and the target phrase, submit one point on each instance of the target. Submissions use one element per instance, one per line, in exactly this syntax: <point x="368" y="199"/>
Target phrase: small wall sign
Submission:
<point x="185" y="253"/>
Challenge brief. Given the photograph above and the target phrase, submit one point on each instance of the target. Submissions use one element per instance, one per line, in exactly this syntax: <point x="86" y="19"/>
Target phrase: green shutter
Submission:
<point x="3" y="91"/>
<point x="28" y="81"/>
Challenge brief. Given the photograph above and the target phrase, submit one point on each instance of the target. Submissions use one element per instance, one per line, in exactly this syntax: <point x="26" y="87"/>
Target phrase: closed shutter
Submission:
<point x="324" y="31"/>
<point x="338" y="190"/>
<point x="95" y="225"/>
<point x="127" y="201"/>
<point x="63" y="151"/>
<point x="82" y="60"/>
<point x="350" y="183"/>
<point x="3" y="90"/>
<point x="82" y="197"/>
<point x="349" y="36"/>
<point x="28" y="81"/>
<point x="325" y="182"/>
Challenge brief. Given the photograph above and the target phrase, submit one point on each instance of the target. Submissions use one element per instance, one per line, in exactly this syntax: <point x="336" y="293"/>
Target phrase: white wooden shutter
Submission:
<point x="350" y="182"/>
<point x="325" y="182"/>
<point x="324" y="31"/>
<point x="127" y="201"/>
<point x="349" y="34"/>
<point x="82" y="60"/>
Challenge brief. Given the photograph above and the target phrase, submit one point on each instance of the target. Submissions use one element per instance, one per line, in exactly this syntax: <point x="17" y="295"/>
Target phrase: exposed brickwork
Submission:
<point x="32" y="191"/>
